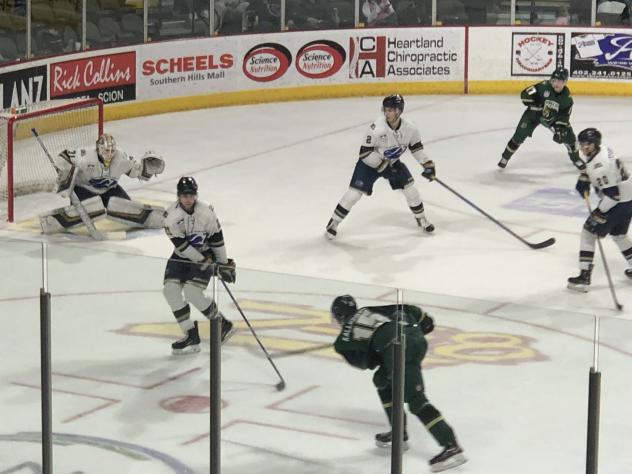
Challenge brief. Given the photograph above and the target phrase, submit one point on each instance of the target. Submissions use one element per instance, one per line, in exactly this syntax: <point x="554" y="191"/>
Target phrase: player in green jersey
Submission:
<point x="365" y="341"/>
<point x="549" y="103"/>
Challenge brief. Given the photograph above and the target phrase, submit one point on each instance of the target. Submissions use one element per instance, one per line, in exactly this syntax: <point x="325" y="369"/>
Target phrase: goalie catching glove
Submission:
<point x="152" y="164"/>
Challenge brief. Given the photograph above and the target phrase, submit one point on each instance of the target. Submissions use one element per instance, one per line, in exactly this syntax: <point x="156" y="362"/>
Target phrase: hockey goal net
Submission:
<point x="61" y="124"/>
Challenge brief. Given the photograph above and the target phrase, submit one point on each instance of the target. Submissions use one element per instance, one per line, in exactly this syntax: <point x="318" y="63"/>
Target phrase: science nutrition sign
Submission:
<point x="601" y="55"/>
<point x="536" y="54"/>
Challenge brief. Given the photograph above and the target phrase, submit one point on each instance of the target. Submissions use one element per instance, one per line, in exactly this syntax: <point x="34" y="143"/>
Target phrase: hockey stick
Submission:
<point x="301" y="351"/>
<point x="74" y="200"/>
<point x="538" y="245"/>
<point x="617" y="305"/>
<point x="281" y="385"/>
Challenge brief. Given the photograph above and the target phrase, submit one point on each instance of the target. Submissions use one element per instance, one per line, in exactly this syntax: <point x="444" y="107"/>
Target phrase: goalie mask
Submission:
<point x="343" y="307"/>
<point x="106" y="149"/>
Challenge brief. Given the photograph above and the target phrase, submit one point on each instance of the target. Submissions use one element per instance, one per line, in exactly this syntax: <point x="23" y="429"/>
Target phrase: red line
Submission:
<point x="275" y="406"/>
<point x="143" y="387"/>
<point x="292" y="397"/>
<point x="109" y="401"/>
<point x="270" y="425"/>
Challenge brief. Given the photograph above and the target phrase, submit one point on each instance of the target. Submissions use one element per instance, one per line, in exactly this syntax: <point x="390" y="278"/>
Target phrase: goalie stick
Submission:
<point x="74" y="200"/>
<point x="537" y="245"/>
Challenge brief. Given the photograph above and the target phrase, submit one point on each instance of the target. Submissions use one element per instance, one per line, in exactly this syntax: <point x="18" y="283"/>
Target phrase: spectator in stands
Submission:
<point x="263" y="16"/>
<point x="561" y="16"/>
<point x="310" y="15"/>
<point x="379" y="13"/>
<point x="233" y="15"/>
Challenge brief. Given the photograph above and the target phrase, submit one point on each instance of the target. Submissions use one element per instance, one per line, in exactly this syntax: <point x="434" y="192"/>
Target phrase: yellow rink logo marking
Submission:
<point x="305" y="326"/>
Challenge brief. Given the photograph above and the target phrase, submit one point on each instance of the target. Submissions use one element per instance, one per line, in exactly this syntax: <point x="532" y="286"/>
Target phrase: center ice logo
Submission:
<point x="448" y="345"/>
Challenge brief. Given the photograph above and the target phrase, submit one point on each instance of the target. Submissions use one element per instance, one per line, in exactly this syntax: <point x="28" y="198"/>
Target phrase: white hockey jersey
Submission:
<point x="195" y="233"/>
<point x="390" y="144"/>
<point x="608" y="174"/>
<point x="92" y="175"/>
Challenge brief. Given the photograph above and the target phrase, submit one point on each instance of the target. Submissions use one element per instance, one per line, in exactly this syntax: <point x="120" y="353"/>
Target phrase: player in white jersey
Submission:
<point x="612" y="215"/>
<point x="92" y="175"/>
<point x="197" y="237"/>
<point x="386" y="141"/>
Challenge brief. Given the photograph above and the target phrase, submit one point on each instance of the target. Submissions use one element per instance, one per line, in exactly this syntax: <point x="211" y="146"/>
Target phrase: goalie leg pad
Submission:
<point x="66" y="218"/>
<point x="135" y="214"/>
<point x="195" y="295"/>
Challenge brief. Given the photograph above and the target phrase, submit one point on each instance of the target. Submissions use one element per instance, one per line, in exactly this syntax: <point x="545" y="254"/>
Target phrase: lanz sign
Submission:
<point x="23" y="87"/>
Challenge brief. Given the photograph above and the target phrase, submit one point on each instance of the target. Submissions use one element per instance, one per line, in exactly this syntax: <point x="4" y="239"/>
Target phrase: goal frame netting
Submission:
<point x="17" y="114"/>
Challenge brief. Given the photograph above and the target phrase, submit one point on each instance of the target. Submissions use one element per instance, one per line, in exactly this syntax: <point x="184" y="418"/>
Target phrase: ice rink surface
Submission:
<point x="509" y="360"/>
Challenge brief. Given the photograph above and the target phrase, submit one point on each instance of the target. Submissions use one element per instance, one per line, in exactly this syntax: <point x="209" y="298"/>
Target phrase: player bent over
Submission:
<point x="549" y="103"/>
<point x="612" y="215"/>
<point x="365" y="341"/>
<point x="197" y="237"/>
<point x="386" y="141"/>
<point x="92" y="175"/>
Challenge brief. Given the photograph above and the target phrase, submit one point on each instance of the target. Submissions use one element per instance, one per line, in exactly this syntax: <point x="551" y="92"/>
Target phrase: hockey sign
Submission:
<point x="536" y="54"/>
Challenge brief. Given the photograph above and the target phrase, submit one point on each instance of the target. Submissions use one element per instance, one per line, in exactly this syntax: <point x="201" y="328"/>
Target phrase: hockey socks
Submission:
<point x="436" y="425"/>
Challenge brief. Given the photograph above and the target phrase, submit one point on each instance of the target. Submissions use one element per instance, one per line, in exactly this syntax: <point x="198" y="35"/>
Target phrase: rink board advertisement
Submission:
<point x="536" y="54"/>
<point x="601" y="55"/>
<point x="288" y="60"/>
<point x="23" y="86"/>
<point x="109" y="77"/>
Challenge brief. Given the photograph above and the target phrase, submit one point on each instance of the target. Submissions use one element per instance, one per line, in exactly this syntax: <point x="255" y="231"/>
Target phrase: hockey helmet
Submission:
<point x="561" y="73"/>
<point x="343" y="307"/>
<point x="106" y="148"/>
<point x="393" y="101"/>
<point x="590" y="135"/>
<point x="187" y="186"/>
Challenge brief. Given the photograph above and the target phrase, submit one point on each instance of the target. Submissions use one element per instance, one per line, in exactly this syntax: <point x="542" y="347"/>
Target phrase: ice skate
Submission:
<point x="331" y="230"/>
<point x="426" y="226"/>
<point x="190" y="344"/>
<point x="502" y="164"/>
<point x="227" y="330"/>
<point x="451" y="456"/>
<point x="582" y="281"/>
<point x="384" y="440"/>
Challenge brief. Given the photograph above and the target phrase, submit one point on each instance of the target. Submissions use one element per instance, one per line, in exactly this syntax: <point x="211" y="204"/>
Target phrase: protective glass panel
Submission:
<point x="615" y="364"/>
<point x="12" y="31"/>
<point x="20" y="283"/>
<point x="114" y="23"/>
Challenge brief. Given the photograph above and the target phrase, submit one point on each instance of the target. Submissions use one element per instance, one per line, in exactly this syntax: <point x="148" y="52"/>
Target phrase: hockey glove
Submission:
<point x="559" y="134"/>
<point x="595" y="223"/>
<point x="152" y="164"/>
<point x="427" y="323"/>
<point x="429" y="171"/>
<point x="583" y="185"/>
<point x="227" y="271"/>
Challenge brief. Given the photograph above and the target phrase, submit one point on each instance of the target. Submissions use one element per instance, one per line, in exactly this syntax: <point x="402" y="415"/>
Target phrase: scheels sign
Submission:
<point x="180" y="64"/>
